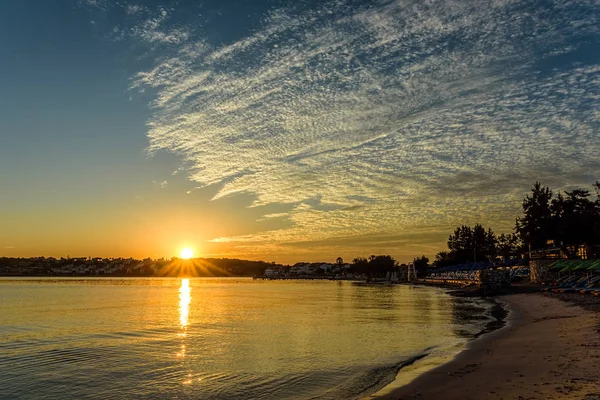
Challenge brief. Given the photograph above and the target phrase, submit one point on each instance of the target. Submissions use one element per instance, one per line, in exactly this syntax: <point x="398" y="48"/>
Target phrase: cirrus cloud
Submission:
<point x="382" y="118"/>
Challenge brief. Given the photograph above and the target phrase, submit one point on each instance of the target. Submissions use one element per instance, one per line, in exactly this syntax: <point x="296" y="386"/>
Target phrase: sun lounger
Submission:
<point x="572" y="281"/>
<point x="580" y="284"/>
<point x="593" y="285"/>
<point x="556" y="283"/>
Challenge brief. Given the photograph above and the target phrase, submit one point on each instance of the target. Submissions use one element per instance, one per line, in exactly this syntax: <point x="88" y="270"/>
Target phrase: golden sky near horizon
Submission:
<point x="288" y="131"/>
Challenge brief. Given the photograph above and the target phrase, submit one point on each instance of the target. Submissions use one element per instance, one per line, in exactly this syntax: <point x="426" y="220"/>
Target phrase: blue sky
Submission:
<point x="287" y="130"/>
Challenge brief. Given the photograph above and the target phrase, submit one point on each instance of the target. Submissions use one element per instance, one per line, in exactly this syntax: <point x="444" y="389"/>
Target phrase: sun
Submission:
<point x="186" y="253"/>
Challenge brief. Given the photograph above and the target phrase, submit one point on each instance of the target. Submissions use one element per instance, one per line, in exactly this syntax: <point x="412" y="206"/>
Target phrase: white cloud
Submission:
<point x="379" y="120"/>
<point x="101" y="4"/>
<point x="134" y="9"/>
<point x="273" y="216"/>
<point x="154" y="30"/>
<point x="161" y="184"/>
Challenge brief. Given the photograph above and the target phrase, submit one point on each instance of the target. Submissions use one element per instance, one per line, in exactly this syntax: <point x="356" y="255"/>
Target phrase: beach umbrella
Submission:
<point x="595" y="266"/>
<point x="575" y="264"/>
<point x="557" y="264"/>
<point x="566" y="268"/>
<point x="569" y="265"/>
<point x="585" y="264"/>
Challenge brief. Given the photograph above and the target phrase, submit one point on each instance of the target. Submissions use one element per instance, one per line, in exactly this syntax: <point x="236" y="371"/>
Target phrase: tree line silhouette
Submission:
<point x="374" y="265"/>
<point x="570" y="220"/>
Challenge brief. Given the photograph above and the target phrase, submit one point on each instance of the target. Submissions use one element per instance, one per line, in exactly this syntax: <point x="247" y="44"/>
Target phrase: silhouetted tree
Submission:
<point x="575" y="220"/>
<point x="570" y="219"/>
<point x="443" y="259"/>
<point x="469" y="244"/>
<point x="421" y="264"/>
<point x="374" y="265"/>
<point x="508" y="246"/>
<point x="381" y="265"/>
<point x="472" y="244"/>
<point x="535" y="226"/>
<point x="360" y="265"/>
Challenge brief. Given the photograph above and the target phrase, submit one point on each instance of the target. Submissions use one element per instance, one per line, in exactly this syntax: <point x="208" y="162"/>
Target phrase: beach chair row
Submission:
<point x="576" y="284"/>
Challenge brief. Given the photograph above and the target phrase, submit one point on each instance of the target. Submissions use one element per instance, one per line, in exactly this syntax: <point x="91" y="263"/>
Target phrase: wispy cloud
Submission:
<point x="154" y="29"/>
<point x="161" y="184"/>
<point x="395" y="115"/>
<point x="135" y="9"/>
<point x="273" y="216"/>
<point x="101" y="4"/>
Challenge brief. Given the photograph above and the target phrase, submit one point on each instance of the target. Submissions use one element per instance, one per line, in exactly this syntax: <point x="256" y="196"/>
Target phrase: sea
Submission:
<point x="223" y="338"/>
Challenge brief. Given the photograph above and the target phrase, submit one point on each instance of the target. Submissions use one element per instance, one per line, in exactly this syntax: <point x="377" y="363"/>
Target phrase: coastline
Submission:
<point x="548" y="349"/>
<point x="408" y="372"/>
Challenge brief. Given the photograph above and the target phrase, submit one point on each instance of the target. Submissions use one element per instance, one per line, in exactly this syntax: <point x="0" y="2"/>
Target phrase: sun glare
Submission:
<point x="185" y="298"/>
<point x="186" y="253"/>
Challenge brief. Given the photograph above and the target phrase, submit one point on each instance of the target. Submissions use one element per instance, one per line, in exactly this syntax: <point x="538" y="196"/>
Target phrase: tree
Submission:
<point x="360" y="265"/>
<point x="535" y="227"/>
<point x="381" y="265"/>
<point x="421" y="264"/>
<point x="443" y="259"/>
<point x="472" y="244"/>
<point x="571" y="219"/>
<point x="469" y="244"/>
<point x="575" y="218"/>
<point x="508" y="246"/>
<point x="374" y="265"/>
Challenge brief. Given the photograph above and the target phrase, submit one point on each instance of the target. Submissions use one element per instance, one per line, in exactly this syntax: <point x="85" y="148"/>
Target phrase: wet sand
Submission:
<point x="550" y="349"/>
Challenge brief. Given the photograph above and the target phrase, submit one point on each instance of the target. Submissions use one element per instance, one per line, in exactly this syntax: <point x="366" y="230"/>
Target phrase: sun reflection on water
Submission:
<point x="185" y="297"/>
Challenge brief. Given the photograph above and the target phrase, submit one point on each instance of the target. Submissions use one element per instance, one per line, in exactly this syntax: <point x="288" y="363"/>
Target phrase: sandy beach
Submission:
<point x="550" y="349"/>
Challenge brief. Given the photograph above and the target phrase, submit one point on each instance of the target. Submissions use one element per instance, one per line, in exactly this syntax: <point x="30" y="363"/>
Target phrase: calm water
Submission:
<point x="218" y="338"/>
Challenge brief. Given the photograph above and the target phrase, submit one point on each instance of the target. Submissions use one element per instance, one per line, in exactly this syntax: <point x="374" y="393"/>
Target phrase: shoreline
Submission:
<point x="548" y="348"/>
<point x="499" y="312"/>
